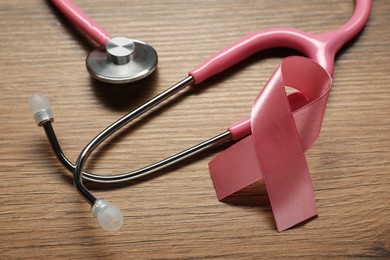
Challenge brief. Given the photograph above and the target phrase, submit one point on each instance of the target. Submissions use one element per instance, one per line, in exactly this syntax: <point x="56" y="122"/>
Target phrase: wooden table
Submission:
<point x="175" y="214"/>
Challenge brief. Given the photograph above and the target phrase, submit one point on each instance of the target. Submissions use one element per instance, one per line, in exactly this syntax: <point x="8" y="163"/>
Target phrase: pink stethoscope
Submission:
<point x="135" y="60"/>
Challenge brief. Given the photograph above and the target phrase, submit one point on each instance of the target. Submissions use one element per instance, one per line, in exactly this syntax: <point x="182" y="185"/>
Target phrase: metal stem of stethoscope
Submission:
<point x="124" y="177"/>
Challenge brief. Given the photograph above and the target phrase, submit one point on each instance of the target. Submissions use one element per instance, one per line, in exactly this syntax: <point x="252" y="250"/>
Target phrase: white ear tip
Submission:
<point x="109" y="217"/>
<point x="38" y="103"/>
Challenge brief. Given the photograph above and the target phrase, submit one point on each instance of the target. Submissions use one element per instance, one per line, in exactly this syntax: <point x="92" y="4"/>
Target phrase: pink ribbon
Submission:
<point x="282" y="127"/>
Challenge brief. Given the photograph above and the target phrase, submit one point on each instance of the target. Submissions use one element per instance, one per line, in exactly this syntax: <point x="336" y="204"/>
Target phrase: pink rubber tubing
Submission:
<point x="321" y="48"/>
<point x="82" y="21"/>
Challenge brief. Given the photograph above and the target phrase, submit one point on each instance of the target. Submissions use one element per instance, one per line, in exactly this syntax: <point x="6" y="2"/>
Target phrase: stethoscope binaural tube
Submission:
<point x="319" y="47"/>
<point x="116" y="60"/>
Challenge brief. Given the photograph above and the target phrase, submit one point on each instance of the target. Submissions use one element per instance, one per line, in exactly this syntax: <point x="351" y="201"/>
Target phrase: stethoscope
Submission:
<point x="321" y="48"/>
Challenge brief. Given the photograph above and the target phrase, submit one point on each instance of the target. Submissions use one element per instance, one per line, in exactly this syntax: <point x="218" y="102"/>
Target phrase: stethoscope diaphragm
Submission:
<point x="122" y="60"/>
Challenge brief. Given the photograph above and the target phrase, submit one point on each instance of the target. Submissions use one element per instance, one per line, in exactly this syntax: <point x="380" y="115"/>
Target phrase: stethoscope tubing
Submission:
<point x="81" y="20"/>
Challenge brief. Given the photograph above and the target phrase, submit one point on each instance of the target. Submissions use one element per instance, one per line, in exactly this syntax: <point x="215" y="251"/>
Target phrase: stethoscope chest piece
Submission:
<point x="122" y="61"/>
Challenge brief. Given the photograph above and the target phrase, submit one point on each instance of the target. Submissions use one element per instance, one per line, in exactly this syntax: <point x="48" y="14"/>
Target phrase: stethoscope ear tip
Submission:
<point x="122" y="60"/>
<point x="38" y="102"/>
<point x="109" y="217"/>
<point x="39" y="106"/>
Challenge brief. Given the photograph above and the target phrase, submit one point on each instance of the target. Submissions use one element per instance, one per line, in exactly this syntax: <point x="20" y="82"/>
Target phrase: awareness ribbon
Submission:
<point x="281" y="128"/>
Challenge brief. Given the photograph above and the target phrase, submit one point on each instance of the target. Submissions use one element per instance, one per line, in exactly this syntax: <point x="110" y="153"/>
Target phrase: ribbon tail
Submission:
<point x="235" y="168"/>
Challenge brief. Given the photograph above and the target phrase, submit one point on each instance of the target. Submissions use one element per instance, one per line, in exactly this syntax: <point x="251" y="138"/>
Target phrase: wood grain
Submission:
<point x="175" y="213"/>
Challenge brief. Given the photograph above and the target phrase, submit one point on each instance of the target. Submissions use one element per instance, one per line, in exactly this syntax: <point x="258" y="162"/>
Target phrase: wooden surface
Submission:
<point x="175" y="213"/>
